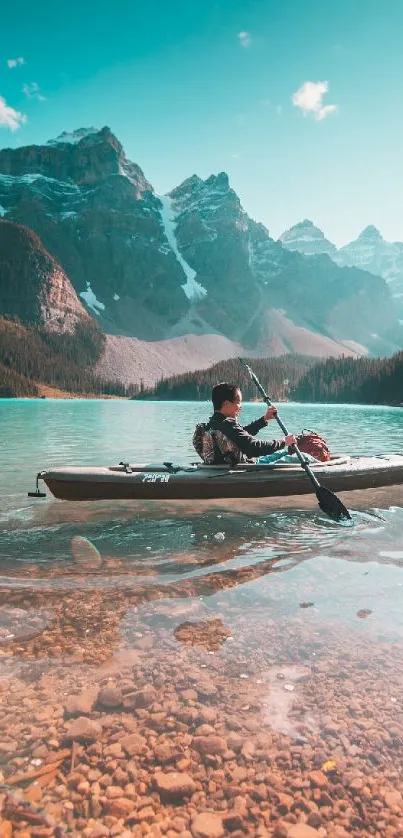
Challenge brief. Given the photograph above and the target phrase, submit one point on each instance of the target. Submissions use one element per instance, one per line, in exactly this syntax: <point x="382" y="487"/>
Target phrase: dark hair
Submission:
<point x="223" y="392"/>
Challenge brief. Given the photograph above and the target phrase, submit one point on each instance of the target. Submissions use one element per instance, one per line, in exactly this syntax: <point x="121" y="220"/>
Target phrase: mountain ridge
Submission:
<point x="369" y="251"/>
<point x="185" y="265"/>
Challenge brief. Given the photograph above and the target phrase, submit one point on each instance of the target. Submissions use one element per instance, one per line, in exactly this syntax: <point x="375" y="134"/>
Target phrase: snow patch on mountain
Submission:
<point x="41" y="182"/>
<point x="28" y="178"/>
<point x="73" y="137"/>
<point x="95" y="305"/>
<point x="193" y="290"/>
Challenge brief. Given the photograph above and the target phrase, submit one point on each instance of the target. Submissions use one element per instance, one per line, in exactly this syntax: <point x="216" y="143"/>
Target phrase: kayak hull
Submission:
<point x="198" y="482"/>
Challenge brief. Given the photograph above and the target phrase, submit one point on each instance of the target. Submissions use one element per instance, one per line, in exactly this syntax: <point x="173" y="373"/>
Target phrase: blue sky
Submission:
<point x="203" y="86"/>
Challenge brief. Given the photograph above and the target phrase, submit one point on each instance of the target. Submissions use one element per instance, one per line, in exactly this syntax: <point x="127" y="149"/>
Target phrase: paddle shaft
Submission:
<point x="268" y="401"/>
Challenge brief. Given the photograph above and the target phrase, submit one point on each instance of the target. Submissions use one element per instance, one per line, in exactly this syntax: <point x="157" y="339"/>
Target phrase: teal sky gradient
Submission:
<point x="182" y="94"/>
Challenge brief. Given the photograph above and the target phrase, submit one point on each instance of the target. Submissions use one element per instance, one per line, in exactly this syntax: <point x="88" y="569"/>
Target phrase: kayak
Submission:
<point x="169" y="481"/>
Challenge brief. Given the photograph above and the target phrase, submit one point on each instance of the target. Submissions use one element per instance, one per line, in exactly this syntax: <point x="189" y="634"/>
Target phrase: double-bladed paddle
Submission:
<point x="328" y="502"/>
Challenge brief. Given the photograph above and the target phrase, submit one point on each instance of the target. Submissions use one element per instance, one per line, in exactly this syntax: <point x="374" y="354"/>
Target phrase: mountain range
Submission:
<point x="176" y="282"/>
<point x="369" y="251"/>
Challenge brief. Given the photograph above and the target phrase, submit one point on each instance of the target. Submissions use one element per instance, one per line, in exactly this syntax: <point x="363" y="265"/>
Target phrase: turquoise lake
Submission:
<point x="275" y="617"/>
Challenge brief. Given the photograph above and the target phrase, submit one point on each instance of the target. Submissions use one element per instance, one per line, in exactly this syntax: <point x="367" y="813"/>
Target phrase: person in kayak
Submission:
<point x="223" y="441"/>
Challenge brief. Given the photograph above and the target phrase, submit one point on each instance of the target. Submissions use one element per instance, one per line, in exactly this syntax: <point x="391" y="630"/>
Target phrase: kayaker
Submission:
<point x="222" y="440"/>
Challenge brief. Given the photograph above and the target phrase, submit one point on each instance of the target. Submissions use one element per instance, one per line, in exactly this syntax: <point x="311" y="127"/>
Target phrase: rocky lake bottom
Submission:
<point x="212" y="696"/>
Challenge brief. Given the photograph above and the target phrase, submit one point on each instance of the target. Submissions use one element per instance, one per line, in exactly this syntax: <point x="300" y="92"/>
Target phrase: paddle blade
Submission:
<point x="331" y="505"/>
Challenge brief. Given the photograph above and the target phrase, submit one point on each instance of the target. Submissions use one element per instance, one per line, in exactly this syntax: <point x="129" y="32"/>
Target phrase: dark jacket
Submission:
<point x="244" y="445"/>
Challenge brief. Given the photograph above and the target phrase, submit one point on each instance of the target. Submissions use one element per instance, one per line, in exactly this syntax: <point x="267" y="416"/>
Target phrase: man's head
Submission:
<point x="227" y="399"/>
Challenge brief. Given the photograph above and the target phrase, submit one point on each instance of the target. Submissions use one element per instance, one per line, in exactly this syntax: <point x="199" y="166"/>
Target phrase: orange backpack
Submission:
<point x="309" y="442"/>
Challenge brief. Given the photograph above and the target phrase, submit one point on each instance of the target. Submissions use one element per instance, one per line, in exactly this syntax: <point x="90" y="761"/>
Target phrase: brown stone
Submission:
<point x="205" y="730"/>
<point x="146" y="814"/>
<point x="210" y="745"/>
<point x="165" y="753"/>
<point x="302" y="830"/>
<point x="285" y="803"/>
<point x="110" y="696"/>
<point x="239" y="773"/>
<point x="99" y="831"/>
<point x="189" y="695"/>
<point x="207" y="825"/>
<point x="248" y="749"/>
<point x="235" y="741"/>
<point x="113" y="791"/>
<point x="393" y="799"/>
<point x="315" y="819"/>
<point x="356" y="784"/>
<point x="133" y="744"/>
<point x="145" y="697"/>
<point x="120" y="807"/>
<point x="83" y="728"/>
<point x="174" y="784"/>
<point x="233" y="821"/>
<point x="318" y="778"/>
<point x="78" y="705"/>
<point x="206" y="688"/>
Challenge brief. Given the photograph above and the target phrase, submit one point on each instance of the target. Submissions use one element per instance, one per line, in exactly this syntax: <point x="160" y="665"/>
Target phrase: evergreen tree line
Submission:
<point x="358" y="380"/>
<point x="15" y="386"/>
<point x="295" y="377"/>
<point x="277" y="375"/>
<point x="29" y="355"/>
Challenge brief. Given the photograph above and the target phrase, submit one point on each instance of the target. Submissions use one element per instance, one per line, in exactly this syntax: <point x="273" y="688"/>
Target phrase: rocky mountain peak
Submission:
<point x="74" y="137"/>
<point x="219" y="182"/>
<point x="305" y="228"/>
<point x="307" y="238"/>
<point x="370" y="233"/>
<point x="34" y="286"/>
<point x="196" y="188"/>
<point x="84" y="157"/>
<point x="369" y="252"/>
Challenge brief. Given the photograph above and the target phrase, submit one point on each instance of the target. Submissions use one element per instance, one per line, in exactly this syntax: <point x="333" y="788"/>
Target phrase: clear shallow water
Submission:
<point x="172" y="541"/>
<point x="301" y="620"/>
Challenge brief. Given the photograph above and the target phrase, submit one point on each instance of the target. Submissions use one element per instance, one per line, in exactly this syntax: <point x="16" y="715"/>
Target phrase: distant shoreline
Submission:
<point x="64" y="396"/>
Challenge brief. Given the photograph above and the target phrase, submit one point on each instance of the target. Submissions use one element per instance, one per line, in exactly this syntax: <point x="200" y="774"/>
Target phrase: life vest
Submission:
<point x="214" y="448"/>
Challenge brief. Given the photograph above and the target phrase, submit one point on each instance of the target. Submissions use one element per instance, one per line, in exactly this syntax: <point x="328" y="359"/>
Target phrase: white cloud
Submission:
<point x="15" y="62"/>
<point x="32" y="91"/>
<point x="309" y="99"/>
<point x="245" y="39"/>
<point x="10" y="118"/>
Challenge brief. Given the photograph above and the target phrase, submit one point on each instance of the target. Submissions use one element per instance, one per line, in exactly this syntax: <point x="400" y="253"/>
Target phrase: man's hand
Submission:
<point x="290" y="440"/>
<point x="271" y="413"/>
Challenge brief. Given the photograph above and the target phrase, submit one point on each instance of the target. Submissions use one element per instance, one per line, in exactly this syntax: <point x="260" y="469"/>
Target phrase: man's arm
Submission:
<point x="255" y="426"/>
<point x="245" y="441"/>
<point x="258" y="424"/>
